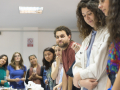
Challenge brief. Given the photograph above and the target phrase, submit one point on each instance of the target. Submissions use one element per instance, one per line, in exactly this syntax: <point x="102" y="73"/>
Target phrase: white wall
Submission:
<point x="26" y="51"/>
<point x="10" y="42"/>
<point x="17" y="42"/>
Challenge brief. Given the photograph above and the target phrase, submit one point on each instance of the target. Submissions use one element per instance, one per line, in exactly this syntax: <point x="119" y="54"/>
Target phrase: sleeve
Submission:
<point x="25" y="69"/>
<point x="0" y="81"/>
<point x="6" y="84"/>
<point x="77" y="66"/>
<point x="98" y="68"/>
<point x="44" y="75"/>
<point x="42" y="69"/>
<point x="71" y="56"/>
<point x="8" y="67"/>
<point x="27" y="76"/>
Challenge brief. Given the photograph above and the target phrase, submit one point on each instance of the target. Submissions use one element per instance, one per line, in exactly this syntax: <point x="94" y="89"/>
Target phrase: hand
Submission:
<point x="90" y="84"/>
<point x="23" y="79"/>
<point x="33" y="75"/>
<point x="76" y="47"/>
<point x="3" y="82"/>
<point x="17" y="80"/>
<point x="56" y="87"/>
<point x="46" y="81"/>
<point x="36" y="75"/>
<point x="76" y="78"/>
<point x="58" y="58"/>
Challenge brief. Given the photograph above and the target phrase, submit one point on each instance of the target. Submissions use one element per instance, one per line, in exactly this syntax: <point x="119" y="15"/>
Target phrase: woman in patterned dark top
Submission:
<point x="111" y="8"/>
<point x="48" y="58"/>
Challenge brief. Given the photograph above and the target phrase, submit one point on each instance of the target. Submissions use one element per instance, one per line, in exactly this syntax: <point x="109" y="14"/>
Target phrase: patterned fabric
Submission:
<point x="113" y="64"/>
<point x="51" y="83"/>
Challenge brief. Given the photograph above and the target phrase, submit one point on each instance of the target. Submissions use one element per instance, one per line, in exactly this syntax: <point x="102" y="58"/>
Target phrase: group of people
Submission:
<point x="93" y="65"/>
<point x="15" y="71"/>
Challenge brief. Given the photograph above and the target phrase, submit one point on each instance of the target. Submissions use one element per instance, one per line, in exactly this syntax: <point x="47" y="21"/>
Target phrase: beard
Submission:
<point x="64" y="45"/>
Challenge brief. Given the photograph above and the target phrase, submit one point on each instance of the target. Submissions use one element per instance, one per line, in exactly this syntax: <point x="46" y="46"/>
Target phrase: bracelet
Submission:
<point x="79" y="83"/>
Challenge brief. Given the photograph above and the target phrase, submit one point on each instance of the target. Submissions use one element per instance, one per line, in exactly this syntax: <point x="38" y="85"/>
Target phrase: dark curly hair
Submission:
<point x="113" y="20"/>
<point x="6" y="64"/>
<point x="83" y="27"/>
<point x="64" y="28"/>
<point x="46" y="63"/>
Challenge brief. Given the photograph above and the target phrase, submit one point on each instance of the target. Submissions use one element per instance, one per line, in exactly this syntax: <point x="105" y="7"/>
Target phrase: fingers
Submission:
<point x="93" y="80"/>
<point x="94" y="84"/>
<point x="46" y="81"/>
<point x="17" y="79"/>
<point x="75" y="47"/>
<point x="55" y="88"/>
<point x="58" y="58"/>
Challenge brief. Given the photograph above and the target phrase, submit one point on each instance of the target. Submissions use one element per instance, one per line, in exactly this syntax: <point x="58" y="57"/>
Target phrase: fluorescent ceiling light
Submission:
<point x="36" y="10"/>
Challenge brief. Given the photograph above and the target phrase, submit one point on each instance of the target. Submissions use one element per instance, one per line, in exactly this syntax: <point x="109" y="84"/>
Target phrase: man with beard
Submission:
<point x="63" y="40"/>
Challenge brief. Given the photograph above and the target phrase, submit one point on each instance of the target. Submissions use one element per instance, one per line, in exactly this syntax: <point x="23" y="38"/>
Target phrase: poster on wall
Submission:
<point x="30" y="42"/>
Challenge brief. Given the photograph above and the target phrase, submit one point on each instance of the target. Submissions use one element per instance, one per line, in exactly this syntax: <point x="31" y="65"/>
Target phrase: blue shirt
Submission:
<point x="16" y="74"/>
<point x="89" y="49"/>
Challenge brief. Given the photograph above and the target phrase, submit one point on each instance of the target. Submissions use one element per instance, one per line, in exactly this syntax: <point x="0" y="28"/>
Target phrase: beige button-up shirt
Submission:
<point x="98" y="59"/>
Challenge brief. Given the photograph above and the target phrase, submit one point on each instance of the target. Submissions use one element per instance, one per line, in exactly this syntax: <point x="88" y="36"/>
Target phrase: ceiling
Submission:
<point x="55" y="13"/>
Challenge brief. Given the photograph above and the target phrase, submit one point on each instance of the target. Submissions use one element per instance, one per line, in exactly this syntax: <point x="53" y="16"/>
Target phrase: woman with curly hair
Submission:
<point x="89" y="69"/>
<point x="48" y="59"/>
<point x="111" y="8"/>
<point x="17" y="72"/>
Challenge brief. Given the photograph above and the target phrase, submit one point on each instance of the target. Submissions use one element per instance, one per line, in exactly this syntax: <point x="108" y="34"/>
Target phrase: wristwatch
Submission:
<point x="79" y="83"/>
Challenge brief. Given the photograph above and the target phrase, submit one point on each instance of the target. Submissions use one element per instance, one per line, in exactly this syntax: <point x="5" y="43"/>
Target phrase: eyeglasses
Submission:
<point x="17" y="56"/>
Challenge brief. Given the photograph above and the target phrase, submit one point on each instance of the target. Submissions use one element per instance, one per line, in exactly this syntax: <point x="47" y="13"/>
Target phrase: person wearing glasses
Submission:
<point x="17" y="72"/>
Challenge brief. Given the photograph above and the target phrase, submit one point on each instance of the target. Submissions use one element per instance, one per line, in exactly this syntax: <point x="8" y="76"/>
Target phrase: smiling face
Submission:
<point x="48" y="56"/>
<point x="88" y="16"/>
<point x="17" y="57"/>
<point x="5" y="59"/>
<point x="62" y="39"/>
<point x="33" y="60"/>
<point x="104" y="6"/>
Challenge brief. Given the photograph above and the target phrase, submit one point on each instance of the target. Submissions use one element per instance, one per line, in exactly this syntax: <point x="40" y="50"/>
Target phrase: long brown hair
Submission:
<point x="83" y="27"/>
<point x="113" y="20"/>
<point x="20" y="63"/>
